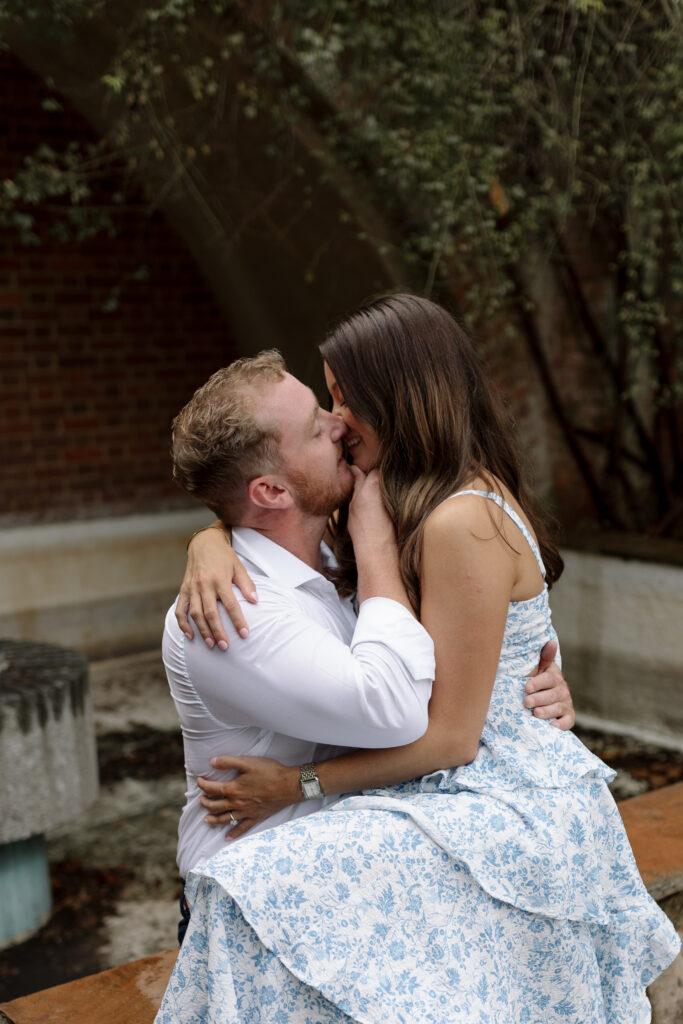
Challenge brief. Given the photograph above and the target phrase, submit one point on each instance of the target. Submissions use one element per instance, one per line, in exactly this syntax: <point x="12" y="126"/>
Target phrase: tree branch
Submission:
<point x="603" y="506"/>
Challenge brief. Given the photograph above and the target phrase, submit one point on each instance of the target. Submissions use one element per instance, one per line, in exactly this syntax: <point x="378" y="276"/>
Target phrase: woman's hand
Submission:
<point x="369" y="523"/>
<point x="374" y="542"/>
<point x="212" y="568"/>
<point x="262" y="787"/>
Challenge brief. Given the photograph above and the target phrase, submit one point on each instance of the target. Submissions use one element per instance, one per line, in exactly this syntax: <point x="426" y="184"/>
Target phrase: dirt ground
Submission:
<point x="115" y="881"/>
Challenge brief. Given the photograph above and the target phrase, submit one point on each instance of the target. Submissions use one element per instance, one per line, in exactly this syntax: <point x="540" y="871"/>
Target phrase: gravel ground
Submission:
<point x="115" y="880"/>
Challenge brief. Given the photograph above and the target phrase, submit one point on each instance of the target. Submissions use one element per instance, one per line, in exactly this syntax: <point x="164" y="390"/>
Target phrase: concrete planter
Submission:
<point x="48" y="766"/>
<point x="620" y="623"/>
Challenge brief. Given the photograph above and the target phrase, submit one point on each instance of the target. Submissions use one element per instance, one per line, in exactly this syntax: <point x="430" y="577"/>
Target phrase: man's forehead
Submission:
<point x="287" y="401"/>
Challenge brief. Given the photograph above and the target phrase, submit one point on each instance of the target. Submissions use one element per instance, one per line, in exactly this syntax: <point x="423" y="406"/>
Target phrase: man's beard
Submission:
<point x="312" y="499"/>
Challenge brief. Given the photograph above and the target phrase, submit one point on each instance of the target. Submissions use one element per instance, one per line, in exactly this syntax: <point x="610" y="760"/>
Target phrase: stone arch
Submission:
<point x="259" y="272"/>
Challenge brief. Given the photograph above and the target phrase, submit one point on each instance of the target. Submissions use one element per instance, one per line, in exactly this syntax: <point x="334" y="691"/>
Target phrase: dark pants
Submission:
<point x="184" y="915"/>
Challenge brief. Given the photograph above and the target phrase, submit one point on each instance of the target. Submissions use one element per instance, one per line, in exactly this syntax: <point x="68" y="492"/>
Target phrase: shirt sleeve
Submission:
<point x="294" y="676"/>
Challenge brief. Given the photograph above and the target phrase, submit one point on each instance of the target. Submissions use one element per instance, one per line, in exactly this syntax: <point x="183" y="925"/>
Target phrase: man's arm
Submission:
<point x="296" y="677"/>
<point x="264" y="786"/>
<point x="213" y="566"/>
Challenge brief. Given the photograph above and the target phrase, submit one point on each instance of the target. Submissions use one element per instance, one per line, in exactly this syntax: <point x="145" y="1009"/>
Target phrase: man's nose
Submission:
<point x="337" y="427"/>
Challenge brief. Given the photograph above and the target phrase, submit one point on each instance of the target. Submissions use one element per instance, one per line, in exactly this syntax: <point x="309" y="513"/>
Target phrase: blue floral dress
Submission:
<point x="500" y="892"/>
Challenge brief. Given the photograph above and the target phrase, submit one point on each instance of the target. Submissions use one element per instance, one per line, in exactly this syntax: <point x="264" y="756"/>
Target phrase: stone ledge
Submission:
<point x="619" y="627"/>
<point x="629" y="546"/>
<point x="100" y="586"/>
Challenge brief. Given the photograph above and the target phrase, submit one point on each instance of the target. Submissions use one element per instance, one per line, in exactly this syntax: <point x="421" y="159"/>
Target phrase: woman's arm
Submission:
<point x="468" y="576"/>
<point x="264" y="786"/>
<point x="212" y="567"/>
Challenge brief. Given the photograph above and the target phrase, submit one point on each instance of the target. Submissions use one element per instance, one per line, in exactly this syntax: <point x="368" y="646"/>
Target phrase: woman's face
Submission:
<point x="360" y="439"/>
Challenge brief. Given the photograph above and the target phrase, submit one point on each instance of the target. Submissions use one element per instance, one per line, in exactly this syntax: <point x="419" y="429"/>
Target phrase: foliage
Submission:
<point x="499" y="143"/>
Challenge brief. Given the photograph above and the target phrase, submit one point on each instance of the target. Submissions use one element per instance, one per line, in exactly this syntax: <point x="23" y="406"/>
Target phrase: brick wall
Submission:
<point x="87" y="396"/>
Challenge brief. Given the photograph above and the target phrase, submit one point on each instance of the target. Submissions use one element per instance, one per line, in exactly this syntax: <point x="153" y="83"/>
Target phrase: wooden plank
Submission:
<point x="130" y="994"/>
<point x="654" y="823"/>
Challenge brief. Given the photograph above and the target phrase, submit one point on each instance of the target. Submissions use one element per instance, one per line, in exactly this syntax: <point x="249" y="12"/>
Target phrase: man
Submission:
<point x="311" y="681"/>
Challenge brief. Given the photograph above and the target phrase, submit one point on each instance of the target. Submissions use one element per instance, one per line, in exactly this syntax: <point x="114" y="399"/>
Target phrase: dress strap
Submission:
<point x="514" y="516"/>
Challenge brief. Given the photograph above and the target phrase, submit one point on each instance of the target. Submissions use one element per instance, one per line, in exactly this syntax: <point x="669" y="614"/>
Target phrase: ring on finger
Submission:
<point x="233" y="819"/>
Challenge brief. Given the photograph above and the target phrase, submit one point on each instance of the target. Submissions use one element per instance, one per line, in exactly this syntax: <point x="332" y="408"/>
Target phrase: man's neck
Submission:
<point x="296" y="532"/>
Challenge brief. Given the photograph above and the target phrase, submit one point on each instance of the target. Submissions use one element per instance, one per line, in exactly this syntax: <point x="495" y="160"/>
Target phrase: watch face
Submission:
<point x="311" y="789"/>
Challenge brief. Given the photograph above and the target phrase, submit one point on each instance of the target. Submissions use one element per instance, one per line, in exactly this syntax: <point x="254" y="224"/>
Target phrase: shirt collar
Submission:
<point x="274" y="560"/>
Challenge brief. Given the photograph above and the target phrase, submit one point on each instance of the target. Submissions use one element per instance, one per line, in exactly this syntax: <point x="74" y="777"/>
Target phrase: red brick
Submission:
<point x="14" y="297"/>
<point x="16" y="426"/>
<point x="76" y="424"/>
<point x="81" y="454"/>
<point x="88" y="395"/>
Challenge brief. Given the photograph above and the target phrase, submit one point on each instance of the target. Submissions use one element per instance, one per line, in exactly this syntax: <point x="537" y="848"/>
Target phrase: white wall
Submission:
<point x="620" y="624"/>
<point x="104" y="586"/>
<point x="101" y="586"/>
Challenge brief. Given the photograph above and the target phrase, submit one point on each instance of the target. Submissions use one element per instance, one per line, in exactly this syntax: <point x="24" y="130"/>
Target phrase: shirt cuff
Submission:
<point x="382" y="620"/>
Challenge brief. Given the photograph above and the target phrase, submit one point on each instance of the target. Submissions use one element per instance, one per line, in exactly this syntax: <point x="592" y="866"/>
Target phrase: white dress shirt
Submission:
<point x="293" y="690"/>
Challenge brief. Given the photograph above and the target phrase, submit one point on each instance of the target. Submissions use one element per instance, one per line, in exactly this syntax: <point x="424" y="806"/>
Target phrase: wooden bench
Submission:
<point x="131" y="994"/>
<point x="654" y="824"/>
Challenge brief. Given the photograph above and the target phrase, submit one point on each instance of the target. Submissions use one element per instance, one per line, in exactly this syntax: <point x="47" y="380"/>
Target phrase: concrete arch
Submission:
<point x="257" y="261"/>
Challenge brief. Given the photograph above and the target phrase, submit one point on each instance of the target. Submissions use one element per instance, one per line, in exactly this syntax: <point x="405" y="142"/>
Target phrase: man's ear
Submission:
<point x="269" y="493"/>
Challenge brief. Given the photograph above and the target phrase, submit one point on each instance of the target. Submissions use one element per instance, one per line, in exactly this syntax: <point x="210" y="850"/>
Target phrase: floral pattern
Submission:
<point x="500" y="892"/>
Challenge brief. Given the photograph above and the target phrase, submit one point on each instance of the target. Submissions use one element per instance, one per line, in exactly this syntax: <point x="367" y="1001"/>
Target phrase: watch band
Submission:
<point x="310" y="783"/>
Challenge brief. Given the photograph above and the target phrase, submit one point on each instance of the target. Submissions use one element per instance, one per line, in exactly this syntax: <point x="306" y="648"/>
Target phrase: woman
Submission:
<point x="501" y="890"/>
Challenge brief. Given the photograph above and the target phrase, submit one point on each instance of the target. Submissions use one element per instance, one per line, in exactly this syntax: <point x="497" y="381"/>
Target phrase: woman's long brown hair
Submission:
<point x="407" y="369"/>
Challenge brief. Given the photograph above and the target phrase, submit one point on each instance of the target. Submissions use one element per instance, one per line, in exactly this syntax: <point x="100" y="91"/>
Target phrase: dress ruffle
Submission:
<point x="520" y="750"/>
<point x="386" y="893"/>
<point x="543" y="851"/>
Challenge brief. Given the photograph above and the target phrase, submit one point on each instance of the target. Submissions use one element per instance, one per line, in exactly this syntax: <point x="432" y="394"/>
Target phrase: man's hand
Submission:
<point x="212" y="568"/>
<point x="262" y="787"/>
<point x="547" y="693"/>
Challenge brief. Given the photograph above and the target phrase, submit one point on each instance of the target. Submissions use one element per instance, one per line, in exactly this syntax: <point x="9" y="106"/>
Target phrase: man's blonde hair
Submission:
<point x="218" y="445"/>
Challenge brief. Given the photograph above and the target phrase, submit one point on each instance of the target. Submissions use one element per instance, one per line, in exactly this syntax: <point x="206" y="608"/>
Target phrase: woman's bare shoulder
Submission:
<point x="458" y="531"/>
<point x="471" y="530"/>
<point x="463" y="511"/>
